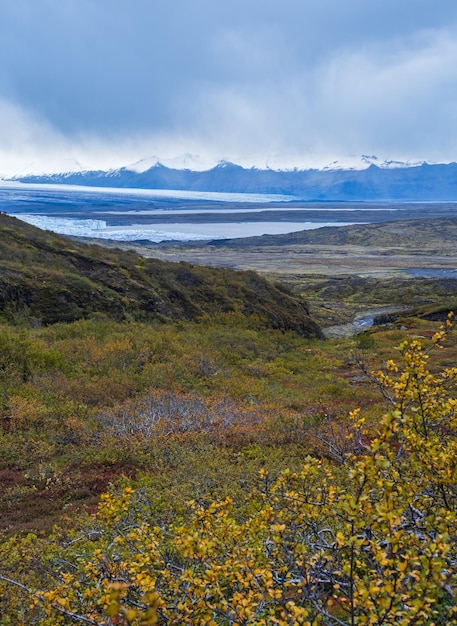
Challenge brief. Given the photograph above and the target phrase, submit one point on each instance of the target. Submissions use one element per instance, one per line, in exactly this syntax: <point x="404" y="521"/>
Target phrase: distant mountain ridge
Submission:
<point x="390" y="182"/>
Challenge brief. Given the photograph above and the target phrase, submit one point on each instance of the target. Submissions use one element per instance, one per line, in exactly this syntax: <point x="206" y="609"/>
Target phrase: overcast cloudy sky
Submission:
<point x="290" y="82"/>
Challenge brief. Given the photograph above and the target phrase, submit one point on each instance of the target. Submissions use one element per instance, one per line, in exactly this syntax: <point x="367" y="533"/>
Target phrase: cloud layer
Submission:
<point x="106" y="82"/>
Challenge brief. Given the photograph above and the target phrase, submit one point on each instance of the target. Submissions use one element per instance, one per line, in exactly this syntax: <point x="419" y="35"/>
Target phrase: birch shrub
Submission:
<point x="369" y="540"/>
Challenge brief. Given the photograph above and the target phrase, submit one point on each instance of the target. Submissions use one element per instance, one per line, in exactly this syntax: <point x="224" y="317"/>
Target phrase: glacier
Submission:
<point x="95" y="228"/>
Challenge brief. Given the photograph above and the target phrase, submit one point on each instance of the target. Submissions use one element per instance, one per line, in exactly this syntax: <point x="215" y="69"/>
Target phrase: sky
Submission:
<point x="281" y="83"/>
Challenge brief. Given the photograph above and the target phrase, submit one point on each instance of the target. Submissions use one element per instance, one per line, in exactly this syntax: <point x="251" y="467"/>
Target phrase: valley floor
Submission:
<point x="340" y="281"/>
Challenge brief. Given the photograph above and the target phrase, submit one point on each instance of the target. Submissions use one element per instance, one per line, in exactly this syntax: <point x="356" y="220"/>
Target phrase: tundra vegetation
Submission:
<point x="224" y="470"/>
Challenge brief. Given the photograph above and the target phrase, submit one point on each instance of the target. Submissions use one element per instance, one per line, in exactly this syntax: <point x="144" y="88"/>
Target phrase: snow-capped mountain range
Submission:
<point x="364" y="178"/>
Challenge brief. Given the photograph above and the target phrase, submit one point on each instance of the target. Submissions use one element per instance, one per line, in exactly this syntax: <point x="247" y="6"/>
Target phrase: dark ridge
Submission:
<point x="396" y="233"/>
<point x="47" y="278"/>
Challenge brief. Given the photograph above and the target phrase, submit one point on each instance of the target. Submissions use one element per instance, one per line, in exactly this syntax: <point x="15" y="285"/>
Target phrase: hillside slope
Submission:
<point x="48" y="278"/>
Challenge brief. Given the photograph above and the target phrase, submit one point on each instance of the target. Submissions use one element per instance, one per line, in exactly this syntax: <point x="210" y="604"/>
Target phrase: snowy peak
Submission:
<point x="142" y="165"/>
<point x="66" y="166"/>
<point x="228" y="165"/>
<point x="365" y="161"/>
<point x="186" y="161"/>
<point x="69" y="166"/>
<point x="367" y="179"/>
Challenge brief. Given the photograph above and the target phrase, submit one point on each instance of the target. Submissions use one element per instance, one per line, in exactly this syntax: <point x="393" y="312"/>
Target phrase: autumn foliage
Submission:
<point x="367" y="538"/>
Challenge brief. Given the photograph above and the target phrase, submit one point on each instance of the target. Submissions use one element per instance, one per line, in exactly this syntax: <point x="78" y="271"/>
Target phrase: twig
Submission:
<point x="56" y="607"/>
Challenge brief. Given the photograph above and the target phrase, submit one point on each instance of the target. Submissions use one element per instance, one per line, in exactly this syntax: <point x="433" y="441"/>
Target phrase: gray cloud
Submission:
<point x="105" y="81"/>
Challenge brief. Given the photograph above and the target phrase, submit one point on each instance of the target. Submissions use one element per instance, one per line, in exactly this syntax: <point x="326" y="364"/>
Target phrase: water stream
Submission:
<point x="362" y="321"/>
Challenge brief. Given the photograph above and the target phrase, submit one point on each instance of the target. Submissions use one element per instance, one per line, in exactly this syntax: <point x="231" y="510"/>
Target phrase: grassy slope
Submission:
<point x="51" y="279"/>
<point x="63" y="386"/>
